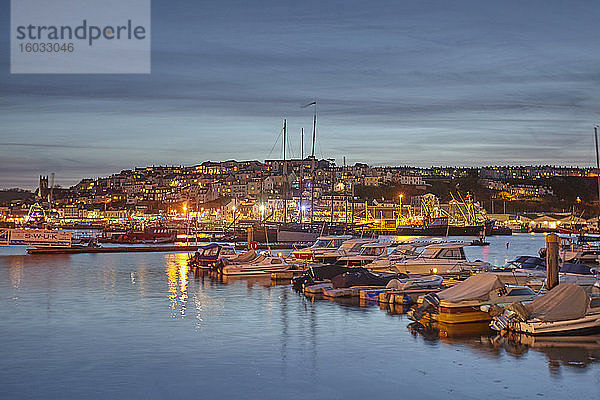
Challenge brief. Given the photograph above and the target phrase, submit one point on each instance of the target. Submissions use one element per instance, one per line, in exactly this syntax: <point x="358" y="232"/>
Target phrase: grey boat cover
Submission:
<point x="476" y="287"/>
<point x="361" y="277"/>
<point x="259" y="259"/>
<point x="246" y="256"/>
<point x="566" y="301"/>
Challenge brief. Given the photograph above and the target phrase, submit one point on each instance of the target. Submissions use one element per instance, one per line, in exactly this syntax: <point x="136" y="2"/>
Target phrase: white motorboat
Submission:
<point x="583" y="249"/>
<point x="401" y="252"/>
<point x="531" y="271"/>
<point x="368" y="253"/>
<point x="469" y="301"/>
<point x="348" y="248"/>
<point x="263" y="265"/>
<point x="211" y="255"/>
<point x="322" y="244"/>
<point x="566" y="309"/>
<point x="439" y="258"/>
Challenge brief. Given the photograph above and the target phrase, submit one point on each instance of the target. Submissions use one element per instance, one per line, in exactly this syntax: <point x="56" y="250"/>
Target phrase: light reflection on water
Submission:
<point x="141" y="326"/>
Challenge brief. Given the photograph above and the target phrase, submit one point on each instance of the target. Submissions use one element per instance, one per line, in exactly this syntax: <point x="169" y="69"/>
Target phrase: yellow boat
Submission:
<point x="469" y="301"/>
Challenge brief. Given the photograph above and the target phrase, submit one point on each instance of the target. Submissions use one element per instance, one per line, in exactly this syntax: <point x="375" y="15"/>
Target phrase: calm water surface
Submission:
<point x="138" y="326"/>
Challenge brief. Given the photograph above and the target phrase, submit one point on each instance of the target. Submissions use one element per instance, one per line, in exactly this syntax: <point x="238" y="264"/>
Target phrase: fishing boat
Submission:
<point x="564" y="310"/>
<point x="463" y="303"/>
<point x="322" y="244"/>
<point x="438" y="259"/>
<point x="348" y="248"/>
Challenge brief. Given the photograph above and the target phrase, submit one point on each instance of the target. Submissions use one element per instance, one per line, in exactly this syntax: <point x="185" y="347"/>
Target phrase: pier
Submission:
<point x="149" y="249"/>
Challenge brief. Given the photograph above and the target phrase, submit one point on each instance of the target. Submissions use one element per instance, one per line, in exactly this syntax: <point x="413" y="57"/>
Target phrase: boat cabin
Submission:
<point x="349" y="247"/>
<point x="445" y="251"/>
<point x="374" y="250"/>
<point x="329" y="242"/>
<point x="207" y="256"/>
<point x="322" y="244"/>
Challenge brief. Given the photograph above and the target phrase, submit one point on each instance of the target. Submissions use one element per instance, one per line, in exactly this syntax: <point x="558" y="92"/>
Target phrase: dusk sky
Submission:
<point x="397" y="82"/>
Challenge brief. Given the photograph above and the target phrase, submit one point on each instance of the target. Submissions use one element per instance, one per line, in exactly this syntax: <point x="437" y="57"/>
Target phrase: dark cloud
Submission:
<point x="465" y="83"/>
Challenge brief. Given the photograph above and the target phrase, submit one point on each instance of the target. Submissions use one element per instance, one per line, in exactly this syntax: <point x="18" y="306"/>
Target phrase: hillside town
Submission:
<point x="306" y="190"/>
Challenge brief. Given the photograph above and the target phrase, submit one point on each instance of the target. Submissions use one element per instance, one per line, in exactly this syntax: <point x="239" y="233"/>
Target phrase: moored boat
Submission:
<point x="348" y="248"/>
<point x="438" y="259"/>
<point x="463" y="302"/>
<point x="209" y="256"/>
<point x="264" y="265"/>
<point x="322" y="244"/>
<point x="368" y="253"/>
<point x="564" y="310"/>
<point x="531" y="271"/>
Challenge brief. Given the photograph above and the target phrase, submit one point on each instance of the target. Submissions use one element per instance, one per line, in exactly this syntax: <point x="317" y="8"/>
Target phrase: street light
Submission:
<point x="400" y="196"/>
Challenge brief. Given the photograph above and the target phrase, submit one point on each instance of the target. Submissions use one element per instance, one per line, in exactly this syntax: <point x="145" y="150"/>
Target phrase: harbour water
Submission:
<point x="111" y="326"/>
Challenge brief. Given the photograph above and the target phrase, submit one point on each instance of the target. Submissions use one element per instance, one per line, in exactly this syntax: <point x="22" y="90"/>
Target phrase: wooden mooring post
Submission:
<point x="551" y="260"/>
<point x="250" y="237"/>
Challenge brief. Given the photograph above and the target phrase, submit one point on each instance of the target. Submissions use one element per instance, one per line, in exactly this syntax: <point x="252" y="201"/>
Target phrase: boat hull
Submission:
<point x="587" y="324"/>
<point x="462" y="315"/>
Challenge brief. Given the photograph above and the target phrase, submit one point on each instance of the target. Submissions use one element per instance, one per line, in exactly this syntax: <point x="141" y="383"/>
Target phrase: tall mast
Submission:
<point x="301" y="170"/>
<point x="597" y="162"/>
<point x="314" y="133"/>
<point x="312" y="155"/>
<point x="312" y="168"/>
<point x="332" y="191"/>
<point x="284" y="174"/>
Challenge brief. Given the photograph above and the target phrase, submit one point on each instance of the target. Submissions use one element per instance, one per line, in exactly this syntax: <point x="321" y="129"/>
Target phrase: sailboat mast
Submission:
<point x="312" y="169"/>
<point x="284" y="174"/>
<point x="597" y="162"/>
<point x="301" y="170"/>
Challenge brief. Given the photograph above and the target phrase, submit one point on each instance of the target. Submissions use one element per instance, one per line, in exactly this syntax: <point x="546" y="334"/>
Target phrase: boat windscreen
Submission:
<point x="372" y="250"/>
<point x="211" y="251"/>
<point x="453" y="253"/>
<point x="322" y="243"/>
<point x="429" y="252"/>
<point x="355" y="246"/>
<point x="335" y="243"/>
<point x="349" y="245"/>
